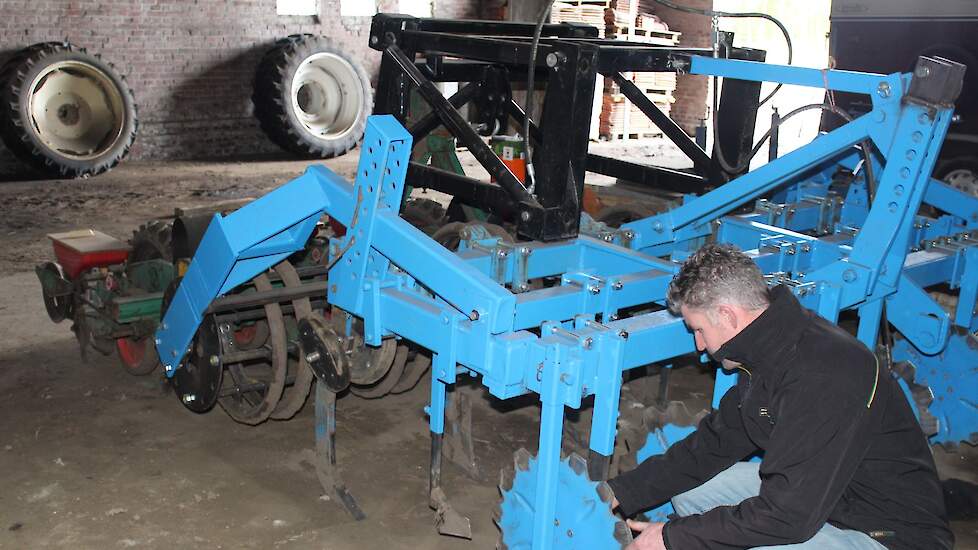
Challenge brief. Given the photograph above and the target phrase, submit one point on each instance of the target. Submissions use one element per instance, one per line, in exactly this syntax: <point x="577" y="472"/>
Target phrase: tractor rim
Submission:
<point x="327" y="97"/>
<point x="963" y="179"/>
<point x="76" y="110"/>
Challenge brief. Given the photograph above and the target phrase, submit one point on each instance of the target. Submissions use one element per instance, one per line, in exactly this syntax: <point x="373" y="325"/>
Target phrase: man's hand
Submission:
<point x="649" y="536"/>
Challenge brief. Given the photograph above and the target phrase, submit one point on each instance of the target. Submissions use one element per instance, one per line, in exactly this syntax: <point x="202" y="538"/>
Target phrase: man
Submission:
<point x="845" y="463"/>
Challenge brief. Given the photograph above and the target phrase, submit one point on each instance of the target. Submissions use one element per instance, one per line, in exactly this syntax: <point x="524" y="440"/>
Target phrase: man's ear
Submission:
<point x="727" y="316"/>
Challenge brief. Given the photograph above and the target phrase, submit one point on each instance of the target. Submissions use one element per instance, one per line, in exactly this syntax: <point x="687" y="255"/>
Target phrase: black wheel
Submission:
<point x="197" y="380"/>
<point x="252" y="389"/>
<point x="311" y="98"/>
<point x="616" y="216"/>
<point x="425" y="214"/>
<point x="54" y="285"/>
<point x="66" y="112"/>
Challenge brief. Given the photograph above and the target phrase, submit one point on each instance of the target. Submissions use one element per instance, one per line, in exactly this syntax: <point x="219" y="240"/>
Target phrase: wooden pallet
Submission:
<point x="645" y="36"/>
<point x="637" y="135"/>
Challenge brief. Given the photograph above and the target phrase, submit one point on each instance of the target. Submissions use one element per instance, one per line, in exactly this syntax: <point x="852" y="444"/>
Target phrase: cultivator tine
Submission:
<point x="458" y="432"/>
<point x="326" y="470"/>
<point x="447" y="520"/>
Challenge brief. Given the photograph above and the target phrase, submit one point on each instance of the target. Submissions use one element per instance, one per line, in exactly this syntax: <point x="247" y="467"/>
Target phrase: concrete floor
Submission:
<point x="94" y="458"/>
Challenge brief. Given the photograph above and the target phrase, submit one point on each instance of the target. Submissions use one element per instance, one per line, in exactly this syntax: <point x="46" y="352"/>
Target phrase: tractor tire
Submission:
<point x="152" y="241"/>
<point x="311" y="98"/>
<point x="64" y="111"/>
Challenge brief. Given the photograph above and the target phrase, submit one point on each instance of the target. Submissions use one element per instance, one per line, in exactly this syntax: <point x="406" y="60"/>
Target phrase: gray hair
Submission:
<point x="715" y="274"/>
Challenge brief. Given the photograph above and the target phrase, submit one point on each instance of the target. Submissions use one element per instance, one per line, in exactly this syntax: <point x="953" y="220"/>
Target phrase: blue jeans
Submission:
<point x="741" y="481"/>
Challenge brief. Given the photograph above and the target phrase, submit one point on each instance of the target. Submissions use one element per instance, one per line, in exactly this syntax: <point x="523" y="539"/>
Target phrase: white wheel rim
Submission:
<point x="76" y="110"/>
<point x="327" y="97"/>
<point x="964" y="180"/>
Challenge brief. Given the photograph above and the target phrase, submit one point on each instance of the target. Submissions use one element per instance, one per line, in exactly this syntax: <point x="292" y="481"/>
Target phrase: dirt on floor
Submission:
<point x="95" y="458"/>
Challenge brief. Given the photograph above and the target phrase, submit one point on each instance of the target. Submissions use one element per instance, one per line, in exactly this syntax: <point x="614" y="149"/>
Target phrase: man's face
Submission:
<point x="711" y="330"/>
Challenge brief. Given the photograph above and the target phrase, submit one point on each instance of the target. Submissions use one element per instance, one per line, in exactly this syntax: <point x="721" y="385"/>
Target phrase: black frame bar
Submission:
<point x="570" y="58"/>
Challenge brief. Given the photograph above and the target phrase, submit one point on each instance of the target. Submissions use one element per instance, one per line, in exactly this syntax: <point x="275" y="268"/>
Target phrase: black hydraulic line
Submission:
<point x="701" y="160"/>
<point x="454" y="122"/>
<point x="430" y="121"/>
<point x="515" y="111"/>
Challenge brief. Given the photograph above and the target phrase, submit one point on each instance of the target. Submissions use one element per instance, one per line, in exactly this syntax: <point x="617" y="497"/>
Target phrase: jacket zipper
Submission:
<point x="749" y="386"/>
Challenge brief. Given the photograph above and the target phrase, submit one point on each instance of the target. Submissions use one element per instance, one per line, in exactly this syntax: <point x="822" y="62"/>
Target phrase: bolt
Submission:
<point x="525" y="215"/>
<point x="189" y="398"/>
<point x="883" y="90"/>
<point x="501" y="253"/>
<point x="849" y="275"/>
<point x="374" y="40"/>
<point x="157" y="340"/>
<point x="623" y="334"/>
<point x="588" y="342"/>
<point x="215" y="360"/>
<point x="168" y="368"/>
<point x="523" y="286"/>
<point x="617" y="285"/>
<point x="312" y="357"/>
<point x="609" y="237"/>
<point x="525" y="251"/>
<point x="613" y="317"/>
<point x="556" y="522"/>
<point x="474" y="316"/>
<point x="922" y="71"/>
<point x="657" y="226"/>
<point x="806" y="248"/>
<point x="163" y="326"/>
<point x="594" y="289"/>
<point x="570" y="534"/>
<point x="552" y="60"/>
<point x="629" y="234"/>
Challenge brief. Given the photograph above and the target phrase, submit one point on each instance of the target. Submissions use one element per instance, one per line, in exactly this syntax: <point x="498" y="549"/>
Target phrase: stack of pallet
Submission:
<point x="634" y="21"/>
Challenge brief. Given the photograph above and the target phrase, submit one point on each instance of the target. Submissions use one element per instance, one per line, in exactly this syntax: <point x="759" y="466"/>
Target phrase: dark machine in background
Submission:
<point x="886" y="36"/>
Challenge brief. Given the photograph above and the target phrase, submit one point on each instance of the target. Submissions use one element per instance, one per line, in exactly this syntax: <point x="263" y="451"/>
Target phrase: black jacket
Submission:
<point x="840" y="443"/>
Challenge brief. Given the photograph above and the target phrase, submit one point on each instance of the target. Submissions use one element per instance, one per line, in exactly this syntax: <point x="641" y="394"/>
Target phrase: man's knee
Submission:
<point x="727" y="488"/>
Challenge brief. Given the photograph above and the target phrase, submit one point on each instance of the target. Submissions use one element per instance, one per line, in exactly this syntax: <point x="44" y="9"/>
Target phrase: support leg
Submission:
<point x="548" y="457"/>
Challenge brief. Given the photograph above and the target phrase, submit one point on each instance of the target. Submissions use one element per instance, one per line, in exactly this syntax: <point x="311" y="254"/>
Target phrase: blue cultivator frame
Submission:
<point x="565" y="342"/>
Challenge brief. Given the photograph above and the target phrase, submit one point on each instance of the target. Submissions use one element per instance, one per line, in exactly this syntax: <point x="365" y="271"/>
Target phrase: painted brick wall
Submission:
<point x="190" y="63"/>
<point x="691" y="91"/>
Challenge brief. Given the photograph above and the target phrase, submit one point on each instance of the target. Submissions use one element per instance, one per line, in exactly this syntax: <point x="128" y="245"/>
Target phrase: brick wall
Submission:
<point x="691" y="91"/>
<point x="190" y="63"/>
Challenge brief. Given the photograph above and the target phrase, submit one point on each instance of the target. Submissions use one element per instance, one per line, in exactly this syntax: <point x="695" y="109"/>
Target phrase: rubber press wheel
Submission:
<point x="311" y="98"/>
<point x="64" y="111"/>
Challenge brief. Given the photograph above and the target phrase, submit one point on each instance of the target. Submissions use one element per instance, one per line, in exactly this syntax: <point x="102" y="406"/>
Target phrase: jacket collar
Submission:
<point x="760" y="346"/>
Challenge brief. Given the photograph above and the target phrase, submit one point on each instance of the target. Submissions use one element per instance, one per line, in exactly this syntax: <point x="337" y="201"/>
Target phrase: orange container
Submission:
<point x="509" y="149"/>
